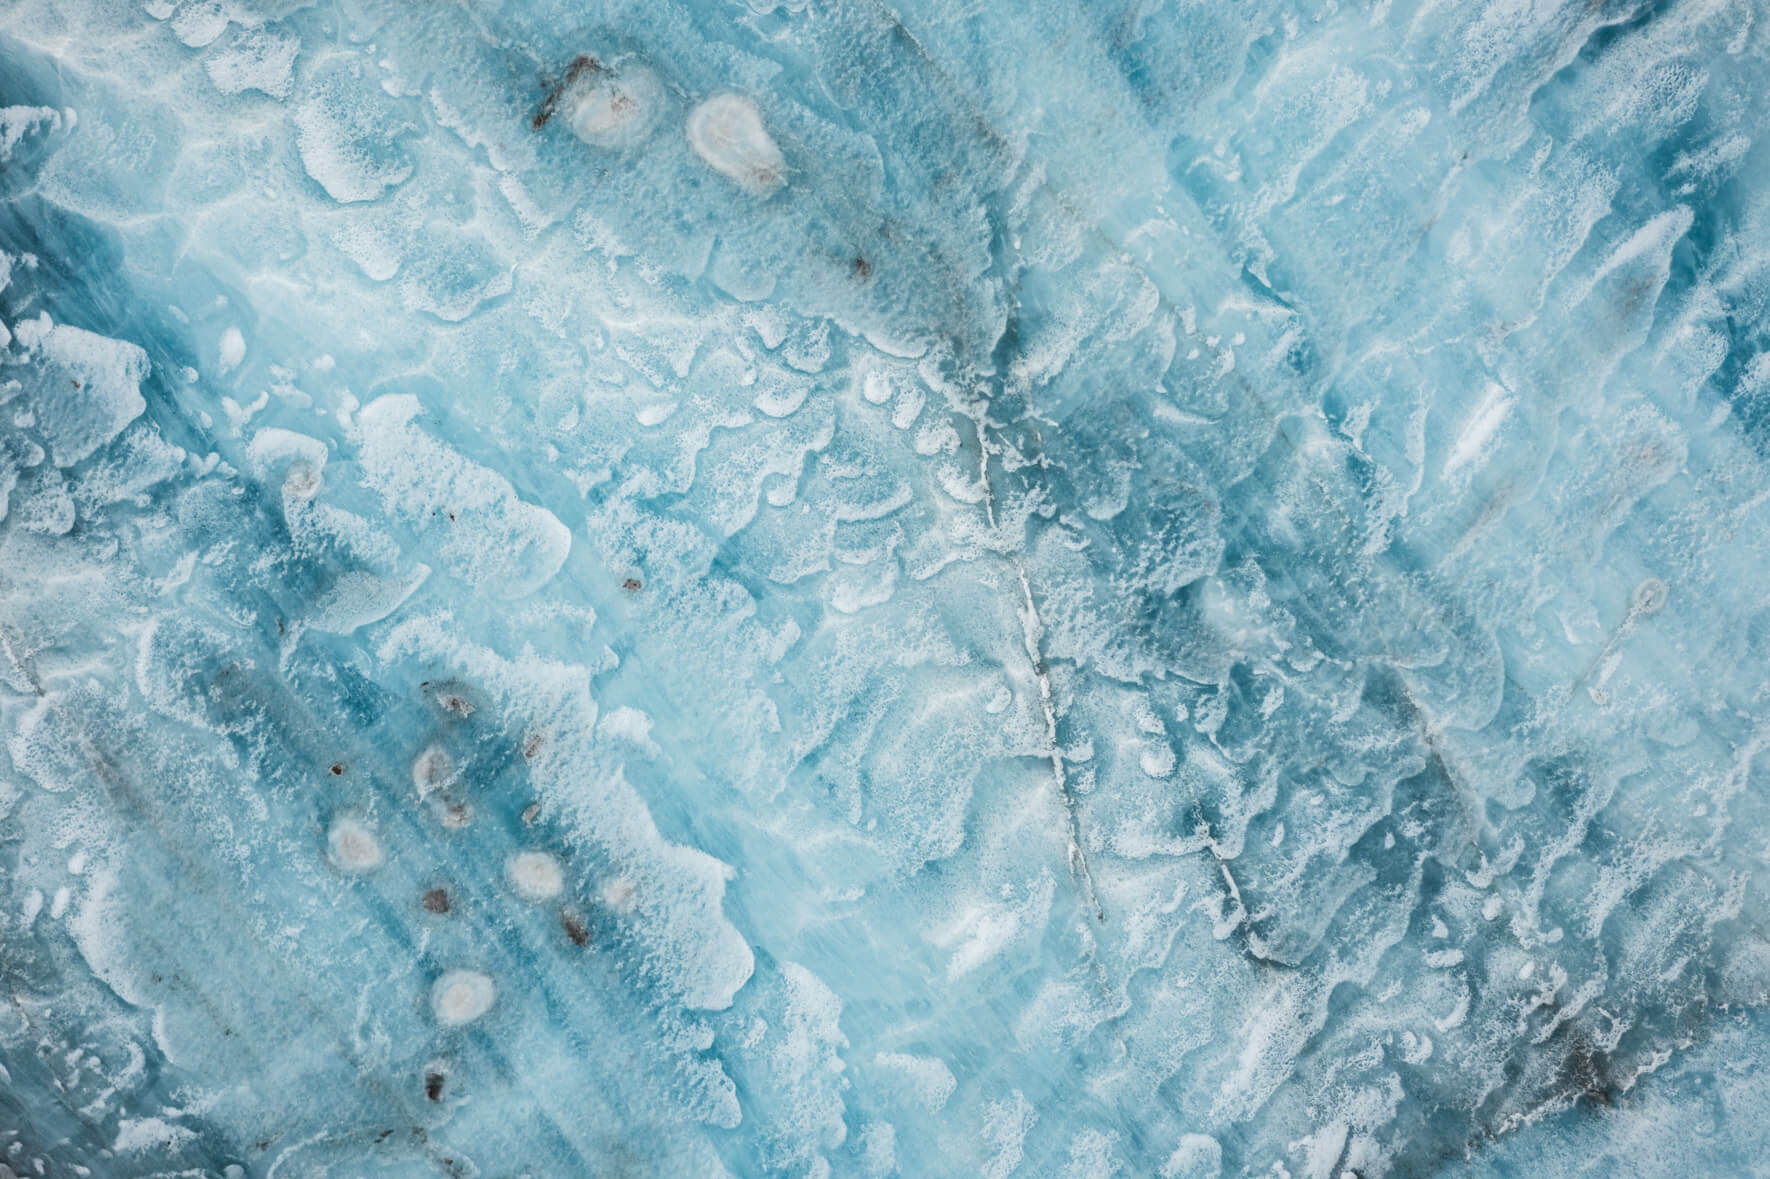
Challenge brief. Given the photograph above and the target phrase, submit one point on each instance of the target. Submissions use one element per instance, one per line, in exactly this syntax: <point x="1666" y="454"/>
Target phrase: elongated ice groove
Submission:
<point x="883" y="589"/>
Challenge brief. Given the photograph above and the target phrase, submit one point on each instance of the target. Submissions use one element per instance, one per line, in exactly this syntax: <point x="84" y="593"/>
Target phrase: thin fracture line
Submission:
<point x="1032" y="633"/>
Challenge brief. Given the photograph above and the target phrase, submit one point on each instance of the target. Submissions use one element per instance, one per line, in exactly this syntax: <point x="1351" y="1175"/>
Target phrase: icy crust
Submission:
<point x="1161" y="590"/>
<point x="490" y="539"/>
<point x="79" y="389"/>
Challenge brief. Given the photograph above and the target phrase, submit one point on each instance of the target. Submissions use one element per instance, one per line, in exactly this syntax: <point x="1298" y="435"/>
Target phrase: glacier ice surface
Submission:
<point x="766" y="587"/>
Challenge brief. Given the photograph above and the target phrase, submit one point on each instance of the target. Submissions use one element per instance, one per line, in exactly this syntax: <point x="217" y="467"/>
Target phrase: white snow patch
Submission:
<point x="726" y="131"/>
<point x="461" y="996"/>
<point x="535" y="875"/>
<point x="86" y="387"/>
<point x="614" y="108"/>
<point x="135" y="1134"/>
<point x="353" y="846"/>
<point x="233" y="349"/>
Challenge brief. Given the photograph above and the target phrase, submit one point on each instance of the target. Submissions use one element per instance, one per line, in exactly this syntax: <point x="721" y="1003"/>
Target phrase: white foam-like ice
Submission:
<point x="257" y="60"/>
<point x="83" y="388"/>
<point x="16" y="122"/>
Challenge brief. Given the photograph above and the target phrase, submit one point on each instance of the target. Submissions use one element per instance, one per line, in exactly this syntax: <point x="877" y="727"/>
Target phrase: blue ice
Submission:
<point x="791" y="588"/>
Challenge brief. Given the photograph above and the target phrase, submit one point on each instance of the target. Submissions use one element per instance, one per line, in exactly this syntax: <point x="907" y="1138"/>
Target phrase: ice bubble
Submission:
<point x="726" y="131"/>
<point x="483" y="532"/>
<point x="461" y="996"/>
<point x="145" y="1134"/>
<point x="18" y="121"/>
<point x="347" y="144"/>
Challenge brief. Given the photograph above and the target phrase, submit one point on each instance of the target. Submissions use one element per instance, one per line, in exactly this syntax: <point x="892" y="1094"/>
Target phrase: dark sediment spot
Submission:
<point x="574" y="927"/>
<point x="433" y="1086"/>
<point x="337" y="769"/>
<point x="632" y="584"/>
<point x="436" y="900"/>
<point x="581" y="65"/>
<point x="863" y="269"/>
<point x="451" y="696"/>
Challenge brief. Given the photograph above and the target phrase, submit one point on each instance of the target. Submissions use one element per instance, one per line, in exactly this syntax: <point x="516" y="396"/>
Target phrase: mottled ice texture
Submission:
<point x="843" y="589"/>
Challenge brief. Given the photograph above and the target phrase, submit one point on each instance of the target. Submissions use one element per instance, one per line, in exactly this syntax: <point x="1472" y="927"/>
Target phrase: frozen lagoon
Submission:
<point x="840" y="589"/>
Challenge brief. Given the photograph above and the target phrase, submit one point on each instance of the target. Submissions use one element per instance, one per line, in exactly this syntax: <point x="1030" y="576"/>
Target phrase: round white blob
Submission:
<point x="535" y="875"/>
<point x="726" y="131"/>
<point x="352" y="845"/>
<point x="431" y="769"/>
<point x="461" y="996"/>
<point x="616" y="109"/>
<point x="233" y="349"/>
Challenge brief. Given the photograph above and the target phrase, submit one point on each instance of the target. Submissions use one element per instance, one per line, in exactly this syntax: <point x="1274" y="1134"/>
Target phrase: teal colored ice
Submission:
<point x="850" y="588"/>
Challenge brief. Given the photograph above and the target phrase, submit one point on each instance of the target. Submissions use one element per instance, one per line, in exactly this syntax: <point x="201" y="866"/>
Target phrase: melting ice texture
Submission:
<point x="692" y="589"/>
